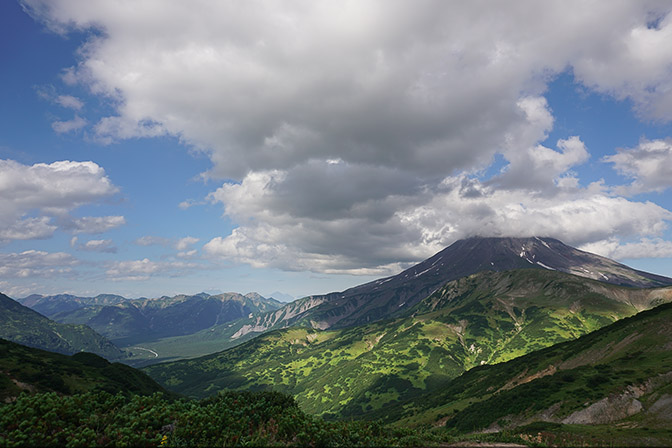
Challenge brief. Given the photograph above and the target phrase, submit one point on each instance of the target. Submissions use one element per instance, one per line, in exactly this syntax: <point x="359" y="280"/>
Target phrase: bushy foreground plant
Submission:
<point x="229" y="419"/>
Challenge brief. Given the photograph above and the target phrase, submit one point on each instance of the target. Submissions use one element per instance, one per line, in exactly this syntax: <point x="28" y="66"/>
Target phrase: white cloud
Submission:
<point x="353" y="133"/>
<point x="576" y="217"/>
<point x="149" y="240"/>
<point x="254" y="87"/>
<point x="533" y="166"/>
<point x="70" y="102"/>
<point x="106" y="246"/>
<point x="50" y="190"/>
<point x="182" y="245"/>
<point x="95" y="224"/>
<point x="48" y="93"/>
<point x="184" y="205"/>
<point x="140" y="270"/>
<point x="634" y="64"/>
<point x="645" y="248"/>
<point x="188" y="254"/>
<point x="541" y="168"/>
<point x="185" y="242"/>
<point x="412" y="228"/>
<point x="63" y="127"/>
<point x="16" y="291"/>
<point x="33" y="263"/>
<point x="27" y="229"/>
<point x="649" y="165"/>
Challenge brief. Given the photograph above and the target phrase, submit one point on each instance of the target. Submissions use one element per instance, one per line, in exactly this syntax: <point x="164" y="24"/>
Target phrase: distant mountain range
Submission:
<point x="22" y="325"/>
<point x="127" y="322"/>
<point x="60" y="303"/>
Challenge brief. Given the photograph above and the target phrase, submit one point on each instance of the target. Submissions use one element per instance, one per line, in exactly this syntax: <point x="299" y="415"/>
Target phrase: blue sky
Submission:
<point x="157" y="148"/>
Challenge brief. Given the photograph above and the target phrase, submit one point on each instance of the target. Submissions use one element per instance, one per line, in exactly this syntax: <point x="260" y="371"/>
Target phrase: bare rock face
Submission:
<point x="620" y="406"/>
<point x="662" y="408"/>
<point x="607" y="410"/>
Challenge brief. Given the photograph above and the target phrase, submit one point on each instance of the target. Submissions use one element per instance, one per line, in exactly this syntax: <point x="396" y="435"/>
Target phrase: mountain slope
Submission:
<point x="52" y="305"/>
<point x="140" y="320"/>
<point x="34" y="370"/>
<point x="485" y="318"/>
<point x="621" y="373"/>
<point x="22" y="325"/>
<point x="390" y="296"/>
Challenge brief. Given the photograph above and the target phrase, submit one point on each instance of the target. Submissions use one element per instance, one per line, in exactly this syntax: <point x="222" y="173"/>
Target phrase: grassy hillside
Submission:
<point x="485" y="318"/>
<point x="33" y="370"/>
<point x="201" y="343"/>
<point x="25" y="326"/>
<point x="619" y="375"/>
<point x="52" y="305"/>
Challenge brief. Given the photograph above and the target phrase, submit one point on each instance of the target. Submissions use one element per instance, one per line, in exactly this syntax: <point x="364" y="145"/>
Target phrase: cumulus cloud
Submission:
<point x="539" y="169"/>
<point x="105" y="246"/>
<point x="644" y="248"/>
<point x="254" y="87"/>
<point x="95" y="224"/>
<point x="182" y="245"/>
<point x="184" y="205"/>
<point x="188" y="254"/>
<point x="320" y="190"/>
<point x="149" y="240"/>
<point x="34" y="263"/>
<point x="421" y="225"/>
<point x="576" y="217"/>
<point x="649" y="164"/>
<point x="140" y="270"/>
<point x="50" y="190"/>
<point x="70" y="102"/>
<point x="48" y="93"/>
<point x="27" y="229"/>
<point x="635" y="64"/>
<point x="186" y="242"/>
<point x="63" y="127"/>
<point x="353" y="134"/>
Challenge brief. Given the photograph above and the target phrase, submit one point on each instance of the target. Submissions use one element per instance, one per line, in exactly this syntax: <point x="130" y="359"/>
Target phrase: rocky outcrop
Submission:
<point x="608" y="410"/>
<point x="628" y="403"/>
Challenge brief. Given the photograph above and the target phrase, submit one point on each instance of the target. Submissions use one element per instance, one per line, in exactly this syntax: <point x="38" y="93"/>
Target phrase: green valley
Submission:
<point x="488" y="318"/>
<point x="613" y="379"/>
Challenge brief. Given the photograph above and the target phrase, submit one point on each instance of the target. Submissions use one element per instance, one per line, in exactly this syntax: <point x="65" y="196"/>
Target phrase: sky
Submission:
<point x="158" y="147"/>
